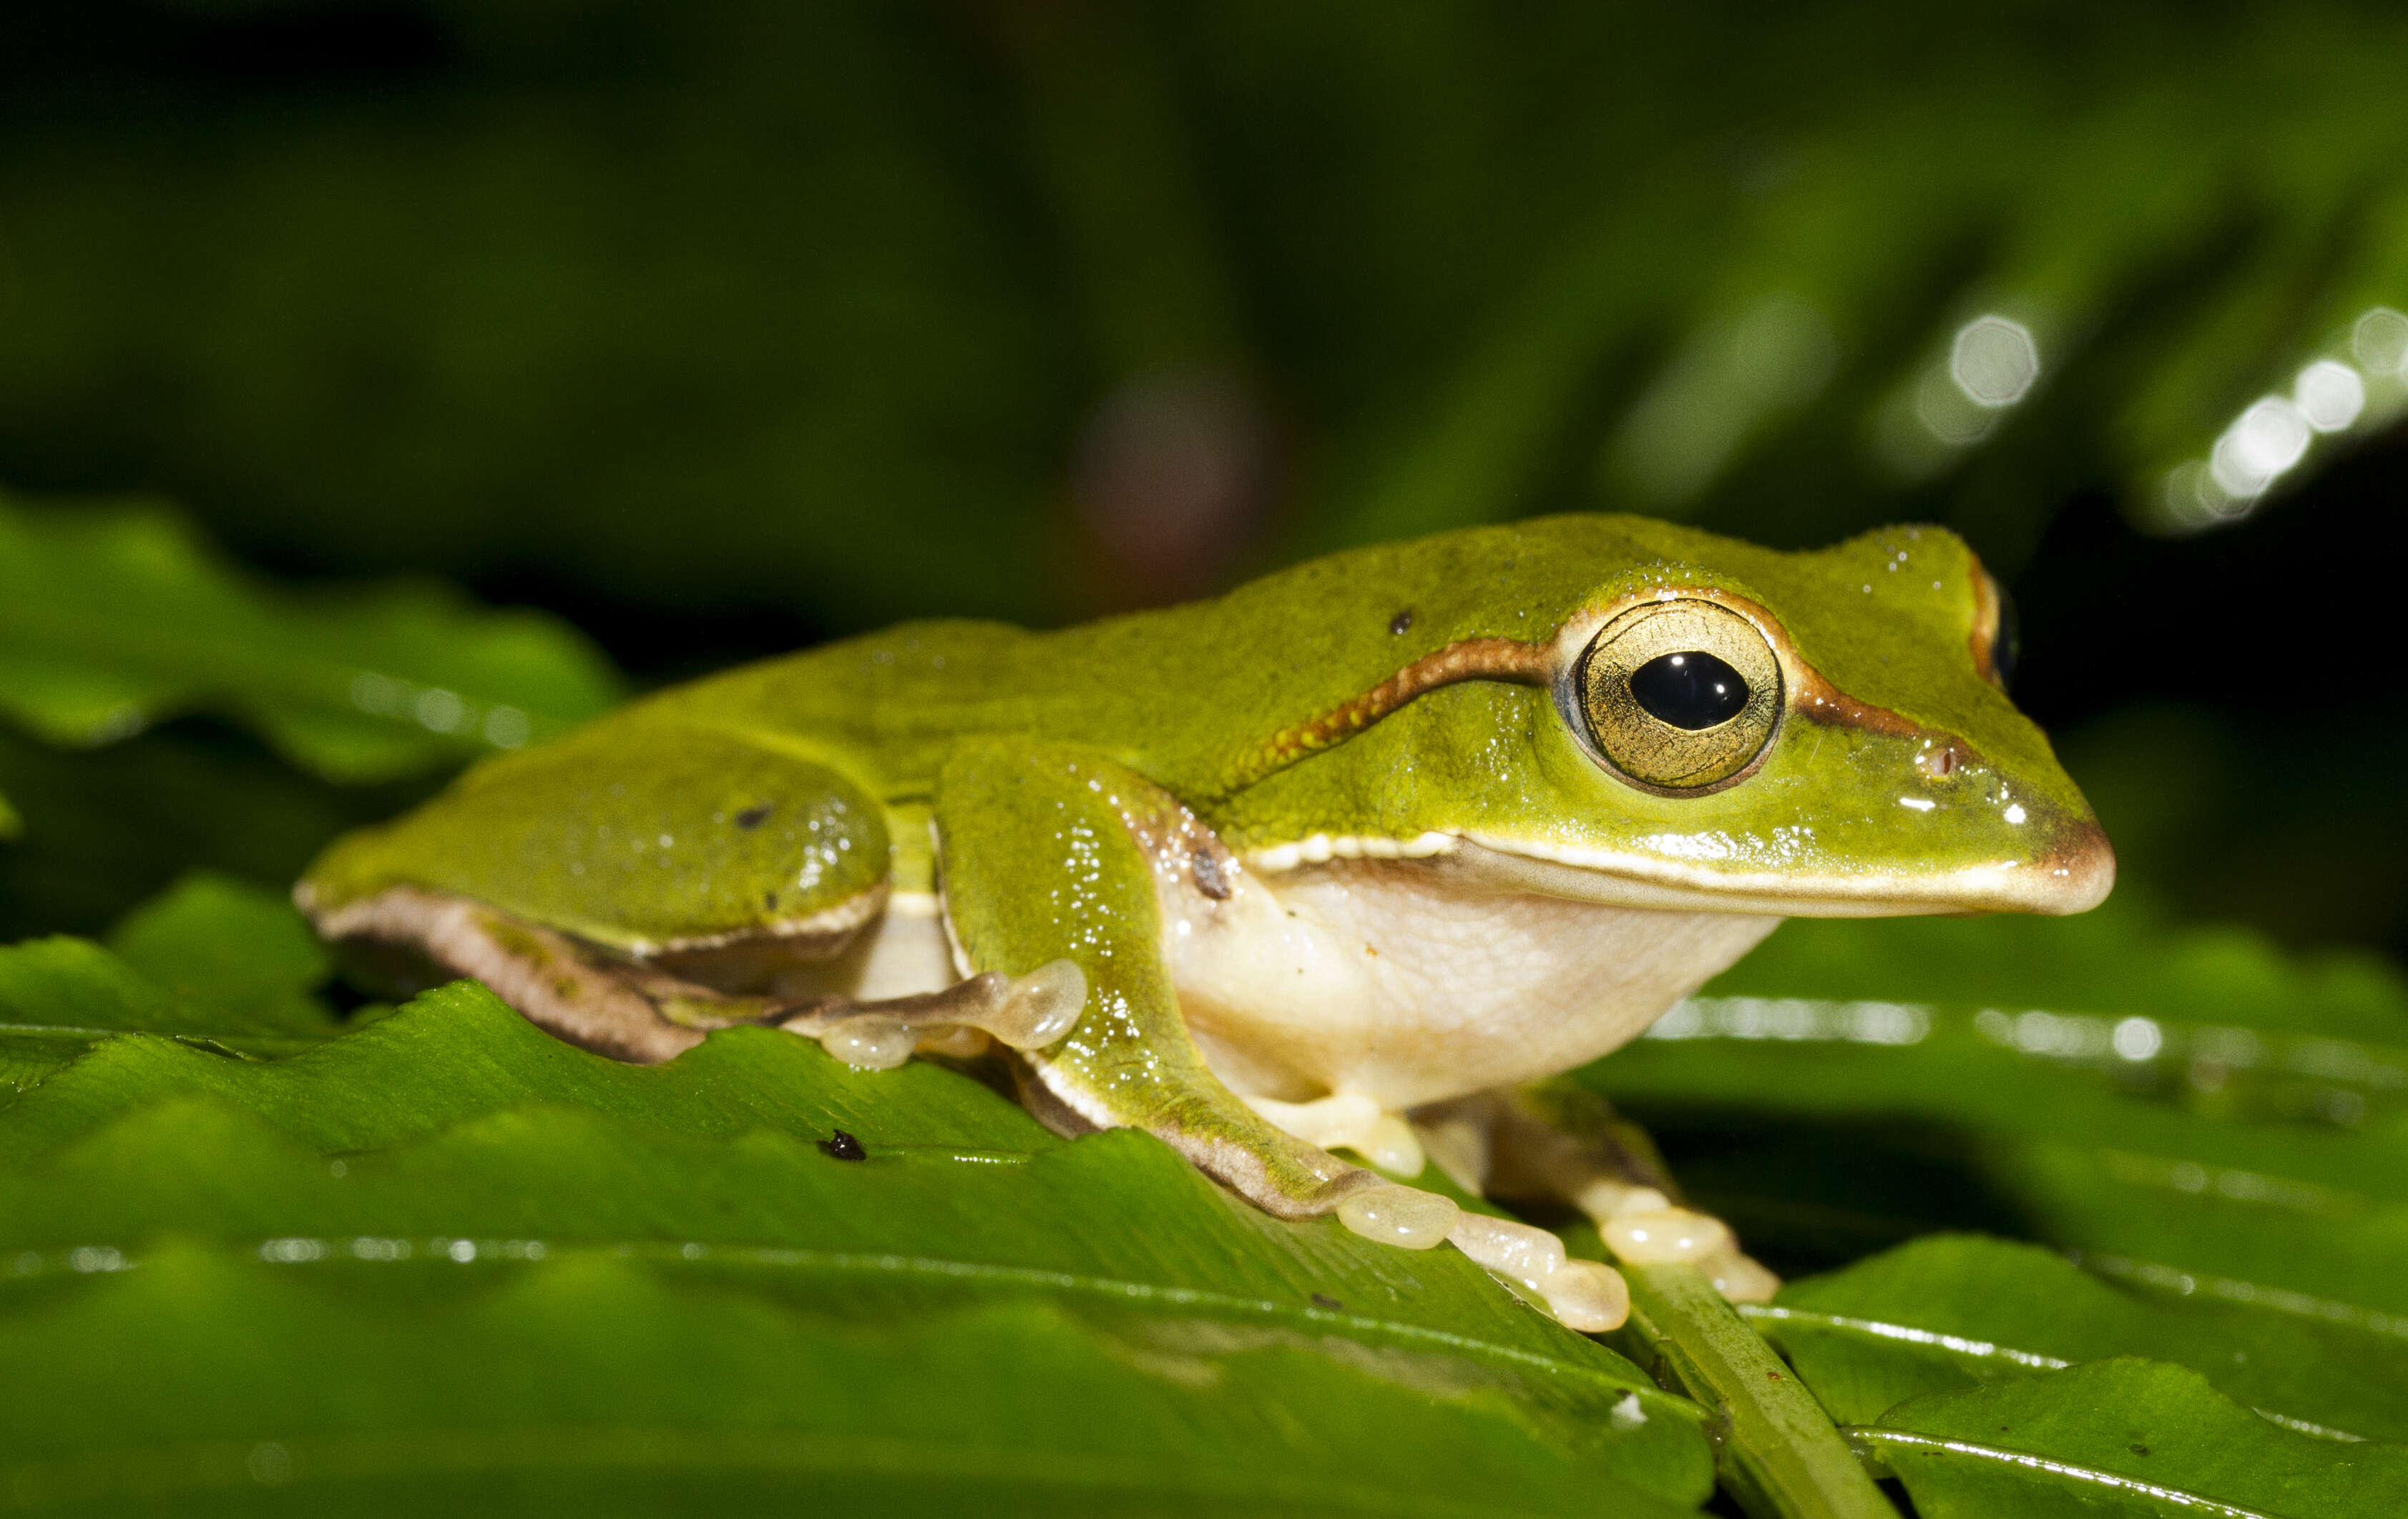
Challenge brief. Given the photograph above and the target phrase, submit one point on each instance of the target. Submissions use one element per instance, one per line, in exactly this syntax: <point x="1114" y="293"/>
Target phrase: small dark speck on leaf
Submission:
<point x="1402" y="621"/>
<point x="768" y="899"/>
<point x="1773" y="1375"/>
<point x="840" y="1145"/>
<point x="1328" y="1304"/>
<point x="755" y="815"/>
<point x="2140" y="1450"/>
<point x="1209" y="878"/>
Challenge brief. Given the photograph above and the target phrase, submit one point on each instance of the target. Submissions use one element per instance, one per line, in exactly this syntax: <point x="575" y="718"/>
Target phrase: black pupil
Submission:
<point x="1689" y="691"/>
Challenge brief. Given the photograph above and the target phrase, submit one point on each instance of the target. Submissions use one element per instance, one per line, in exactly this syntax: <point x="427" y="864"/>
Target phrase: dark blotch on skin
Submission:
<point x="1401" y="621"/>
<point x="1328" y="1304"/>
<point x="755" y="815"/>
<point x="840" y="1145"/>
<point x="1209" y="878"/>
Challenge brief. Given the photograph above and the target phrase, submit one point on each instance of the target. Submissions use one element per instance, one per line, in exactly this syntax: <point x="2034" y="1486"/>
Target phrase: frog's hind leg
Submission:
<point x="540" y="972"/>
<point x="634" y="1011"/>
<point x="1557" y="1144"/>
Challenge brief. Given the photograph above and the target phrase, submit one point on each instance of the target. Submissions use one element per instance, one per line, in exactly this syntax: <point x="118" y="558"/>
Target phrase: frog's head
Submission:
<point x="1728" y="727"/>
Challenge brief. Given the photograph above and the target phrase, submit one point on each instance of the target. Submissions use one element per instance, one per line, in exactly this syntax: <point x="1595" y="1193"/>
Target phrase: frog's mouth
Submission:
<point x="2072" y="876"/>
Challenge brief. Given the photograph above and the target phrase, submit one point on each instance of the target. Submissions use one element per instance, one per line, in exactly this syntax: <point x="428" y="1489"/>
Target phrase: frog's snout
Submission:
<point x="2078" y="874"/>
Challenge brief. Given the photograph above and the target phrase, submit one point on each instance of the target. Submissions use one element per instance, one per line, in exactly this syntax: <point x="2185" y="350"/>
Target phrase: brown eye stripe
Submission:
<point x="1470" y="659"/>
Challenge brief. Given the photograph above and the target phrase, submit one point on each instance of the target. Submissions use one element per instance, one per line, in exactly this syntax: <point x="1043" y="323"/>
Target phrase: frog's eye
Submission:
<point x="1996" y="644"/>
<point x="1680" y="694"/>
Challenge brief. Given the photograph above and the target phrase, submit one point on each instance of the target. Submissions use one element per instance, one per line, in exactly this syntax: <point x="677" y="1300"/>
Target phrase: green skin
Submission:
<point x="1047" y="761"/>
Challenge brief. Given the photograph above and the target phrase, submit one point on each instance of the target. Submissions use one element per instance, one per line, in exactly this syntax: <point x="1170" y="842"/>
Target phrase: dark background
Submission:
<point x="721" y="328"/>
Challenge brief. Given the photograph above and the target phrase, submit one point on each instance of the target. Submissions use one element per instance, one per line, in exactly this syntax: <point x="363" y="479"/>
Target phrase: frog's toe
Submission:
<point x="1406" y="1217"/>
<point x="1038" y="1009"/>
<point x="869" y="1041"/>
<point x="1738" y="1277"/>
<point x="1665" y="1236"/>
<point x="1586" y="1295"/>
<point x="1026" y="1012"/>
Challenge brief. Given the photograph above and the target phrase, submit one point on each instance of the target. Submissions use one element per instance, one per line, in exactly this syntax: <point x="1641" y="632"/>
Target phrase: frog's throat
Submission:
<point x="2072" y="877"/>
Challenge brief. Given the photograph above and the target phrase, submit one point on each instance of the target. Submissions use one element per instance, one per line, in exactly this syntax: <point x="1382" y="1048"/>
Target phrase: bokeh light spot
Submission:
<point x="1994" y="361"/>
<point x="2330" y="395"/>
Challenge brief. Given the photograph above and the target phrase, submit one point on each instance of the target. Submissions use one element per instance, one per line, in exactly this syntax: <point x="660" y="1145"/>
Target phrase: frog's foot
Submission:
<point x="1584" y="1294"/>
<point x="1566" y="1148"/>
<point x="540" y="972"/>
<point x="1026" y="1012"/>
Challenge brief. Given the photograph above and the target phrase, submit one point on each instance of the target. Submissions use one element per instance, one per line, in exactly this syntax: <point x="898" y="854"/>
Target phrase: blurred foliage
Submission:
<point x="756" y="305"/>
<point x="726" y="327"/>
<point x="113" y="619"/>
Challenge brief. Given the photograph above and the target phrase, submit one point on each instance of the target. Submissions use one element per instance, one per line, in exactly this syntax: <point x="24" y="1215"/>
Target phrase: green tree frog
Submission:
<point x="1341" y="861"/>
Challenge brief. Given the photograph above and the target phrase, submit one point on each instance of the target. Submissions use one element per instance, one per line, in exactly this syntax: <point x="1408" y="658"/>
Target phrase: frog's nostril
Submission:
<point x="1938" y="762"/>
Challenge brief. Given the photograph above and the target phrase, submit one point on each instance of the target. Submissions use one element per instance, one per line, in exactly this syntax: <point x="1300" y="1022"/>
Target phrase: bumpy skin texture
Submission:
<point x="1408" y="691"/>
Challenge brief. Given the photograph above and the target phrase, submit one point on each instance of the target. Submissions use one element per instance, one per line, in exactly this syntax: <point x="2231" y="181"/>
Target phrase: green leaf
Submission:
<point x="1951" y="1311"/>
<point x="213" y="961"/>
<point x="2243" y="1157"/>
<point x="112" y="620"/>
<point x="598" y="1381"/>
<point x="234" y="947"/>
<point x="2123" y="1437"/>
<point x="1779" y="1453"/>
<point x="447" y="1249"/>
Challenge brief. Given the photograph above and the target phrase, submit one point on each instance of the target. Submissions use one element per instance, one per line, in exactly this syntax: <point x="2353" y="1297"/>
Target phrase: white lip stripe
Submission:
<point x="1321" y="848"/>
<point x="1652" y="881"/>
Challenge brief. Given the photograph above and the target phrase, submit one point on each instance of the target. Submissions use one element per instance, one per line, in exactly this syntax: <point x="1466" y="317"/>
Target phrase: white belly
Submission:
<point x="1404" y="982"/>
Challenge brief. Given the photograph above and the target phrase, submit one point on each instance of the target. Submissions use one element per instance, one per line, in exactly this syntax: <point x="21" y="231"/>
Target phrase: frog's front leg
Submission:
<point x="1040" y="860"/>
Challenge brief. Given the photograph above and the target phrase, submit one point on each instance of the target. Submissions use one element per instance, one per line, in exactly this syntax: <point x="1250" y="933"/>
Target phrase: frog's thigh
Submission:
<point x="1041" y="861"/>
<point x="1556" y="1143"/>
<point x="653" y="841"/>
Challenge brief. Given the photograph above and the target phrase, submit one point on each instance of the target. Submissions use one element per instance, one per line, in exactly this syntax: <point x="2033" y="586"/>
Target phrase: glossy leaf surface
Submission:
<point x="2124" y="1437"/>
<point x="443" y="1251"/>
<point x="2209" y="1142"/>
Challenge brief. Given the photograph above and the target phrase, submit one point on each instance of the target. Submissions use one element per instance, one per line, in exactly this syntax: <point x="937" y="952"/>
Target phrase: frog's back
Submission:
<point x="1185" y="696"/>
<point x="782" y="797"/>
